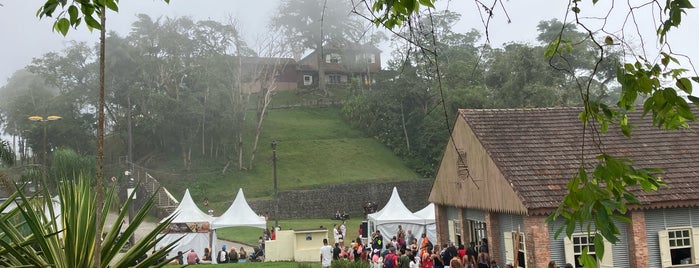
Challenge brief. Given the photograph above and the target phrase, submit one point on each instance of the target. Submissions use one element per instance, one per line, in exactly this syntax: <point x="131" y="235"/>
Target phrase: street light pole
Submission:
<point x="276" y="195"/>
<point x="129" y="191"/>
<point x="38" y="118"/>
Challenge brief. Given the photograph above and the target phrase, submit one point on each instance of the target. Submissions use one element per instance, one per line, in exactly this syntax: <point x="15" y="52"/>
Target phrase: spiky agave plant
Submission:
<point x="35" y="234"/>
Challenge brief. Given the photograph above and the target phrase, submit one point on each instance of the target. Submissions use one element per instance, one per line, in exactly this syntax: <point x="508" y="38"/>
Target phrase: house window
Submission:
<point x="333" y="79"/>
<point x="677" y="246"/>
<point x="307" y="80"/>
<point x="454" y="230"/>
<point x="333" y="58"/>
<point x="511" y="239"/>
<point x="581" y="242"/>
<point x="574" y="248"/>
<point x="366" y="58"/>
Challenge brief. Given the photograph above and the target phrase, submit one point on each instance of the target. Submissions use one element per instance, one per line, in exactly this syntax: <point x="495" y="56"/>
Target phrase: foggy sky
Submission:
<point x="24" y="36"/>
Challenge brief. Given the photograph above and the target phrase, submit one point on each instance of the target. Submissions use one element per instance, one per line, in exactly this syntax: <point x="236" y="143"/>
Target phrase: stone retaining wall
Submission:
<point x="351" y="198"/>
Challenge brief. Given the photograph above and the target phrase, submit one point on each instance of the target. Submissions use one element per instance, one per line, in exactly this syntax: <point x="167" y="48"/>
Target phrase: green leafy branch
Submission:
<point x="595" y="200"/>
<point x="73" y="13"/>
<point x="395" y="12"/>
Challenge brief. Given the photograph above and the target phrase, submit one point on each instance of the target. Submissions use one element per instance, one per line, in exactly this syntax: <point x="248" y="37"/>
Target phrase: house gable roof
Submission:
<point x="539" y="150"/>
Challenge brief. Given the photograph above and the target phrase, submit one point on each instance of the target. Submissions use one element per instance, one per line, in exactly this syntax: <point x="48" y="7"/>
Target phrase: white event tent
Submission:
<point x="192" y="225"/>
<point x="395" y="213"/>
<point x="238" y="214"/>
<point x="428" y="215"/>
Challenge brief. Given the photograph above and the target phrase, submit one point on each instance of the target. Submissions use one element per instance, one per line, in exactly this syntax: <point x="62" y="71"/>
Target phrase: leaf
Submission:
<point x="427" y="3"/>
<point x="111" y="4"/>
<point x="73" y="14"/>
<point x="684" y="84"/>
<point x="693" y="99"/>
<point x="62" y="26"/>
<point x="92" y="23"/>
<point x="608" y="40"/>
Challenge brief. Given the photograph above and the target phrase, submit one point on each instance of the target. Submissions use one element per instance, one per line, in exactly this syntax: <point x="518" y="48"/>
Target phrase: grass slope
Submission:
<point x="314" y="147"/>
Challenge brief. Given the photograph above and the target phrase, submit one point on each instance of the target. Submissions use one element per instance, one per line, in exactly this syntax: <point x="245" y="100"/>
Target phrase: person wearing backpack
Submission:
<point x="390" y="260"/>
<point x="222" y="256"/>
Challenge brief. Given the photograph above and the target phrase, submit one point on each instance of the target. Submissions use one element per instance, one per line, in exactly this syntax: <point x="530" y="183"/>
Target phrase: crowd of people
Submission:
<point x="406" y="251"/>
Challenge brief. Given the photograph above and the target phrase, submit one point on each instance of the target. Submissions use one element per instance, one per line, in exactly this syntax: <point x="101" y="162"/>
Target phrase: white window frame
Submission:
<point x="333" y="58"/>
<point x="307" y="79"/>
<point x="510" y="247"/>
<point x="366" y="58"/>
<point x="664" y="241"/>
<point x="607" y="260"/>
<point x="454" y="229"/>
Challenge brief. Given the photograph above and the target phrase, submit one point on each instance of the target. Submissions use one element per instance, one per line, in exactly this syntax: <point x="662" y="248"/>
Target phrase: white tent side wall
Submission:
<point x="429" y="216"/>
<point x="188" y="212"/>
<point x="395" y="213"/>
<point x="196" y="241"/>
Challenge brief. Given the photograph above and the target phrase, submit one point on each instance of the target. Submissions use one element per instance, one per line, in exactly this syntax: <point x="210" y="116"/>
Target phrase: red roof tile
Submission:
<point x="539" y="150"/>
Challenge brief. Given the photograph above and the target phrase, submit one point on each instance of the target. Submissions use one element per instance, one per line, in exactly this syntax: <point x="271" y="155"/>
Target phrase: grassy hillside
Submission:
<point x="314" y="147"/>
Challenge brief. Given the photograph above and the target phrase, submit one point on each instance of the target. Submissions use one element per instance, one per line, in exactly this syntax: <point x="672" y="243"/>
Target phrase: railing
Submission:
<point x="165" y="202"/>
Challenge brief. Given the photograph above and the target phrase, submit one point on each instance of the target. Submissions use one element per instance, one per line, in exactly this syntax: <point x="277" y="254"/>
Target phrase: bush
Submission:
<point x="349" y="264"/>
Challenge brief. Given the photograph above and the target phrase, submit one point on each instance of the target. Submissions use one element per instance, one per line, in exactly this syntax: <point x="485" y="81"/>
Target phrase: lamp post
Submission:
<point x="276" y="196"/>
<point x="44" y="120"/>
<point x="129" y="189"/>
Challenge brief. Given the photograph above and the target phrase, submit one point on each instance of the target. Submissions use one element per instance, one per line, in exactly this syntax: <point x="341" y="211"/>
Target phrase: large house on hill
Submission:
<point x="516" y="164"/>
<point x="343" y="62"/>
<point x="260" y="73"/>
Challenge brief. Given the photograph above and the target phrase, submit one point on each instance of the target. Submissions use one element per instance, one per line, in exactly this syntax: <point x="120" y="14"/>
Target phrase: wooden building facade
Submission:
<point x="504" y="171"/>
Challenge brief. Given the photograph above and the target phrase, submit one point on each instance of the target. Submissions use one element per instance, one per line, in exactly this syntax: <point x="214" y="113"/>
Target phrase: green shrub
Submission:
<point x="349" y="264"/>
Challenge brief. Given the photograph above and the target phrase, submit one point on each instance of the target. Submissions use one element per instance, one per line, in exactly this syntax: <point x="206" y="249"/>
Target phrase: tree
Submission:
<point x="604" y="191"/>
<point x="88" y="10"/>
<point x="7" y="155"/>
<point x="310" y="24"/>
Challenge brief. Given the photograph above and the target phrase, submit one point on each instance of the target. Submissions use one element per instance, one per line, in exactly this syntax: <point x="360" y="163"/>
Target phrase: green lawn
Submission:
<point x="314" y="147"/>
<point x="250" y="235"/>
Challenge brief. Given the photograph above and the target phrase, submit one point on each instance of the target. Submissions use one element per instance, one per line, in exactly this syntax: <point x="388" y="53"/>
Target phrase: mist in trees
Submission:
<point x="195" y="90"/>
<point x="412" y="106"/>
<point x="175" y="88"/>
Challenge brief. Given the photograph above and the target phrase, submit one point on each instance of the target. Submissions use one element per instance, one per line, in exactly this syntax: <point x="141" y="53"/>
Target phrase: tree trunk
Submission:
<point x="321" y="67"/>
<point x="405" y="130"/>
<point x="240" y="112"/>
<point x="266" y="100"/>
<point x="99" y="198"/>
<point x="203" y="123"/>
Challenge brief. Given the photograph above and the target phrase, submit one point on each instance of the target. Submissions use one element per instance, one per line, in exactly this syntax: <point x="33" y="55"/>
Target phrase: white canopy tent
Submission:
<point x="192" y="225"/>
<point x="238" y="214"/>
<point x="428" y="215"/>
<point x="395" y="213"/>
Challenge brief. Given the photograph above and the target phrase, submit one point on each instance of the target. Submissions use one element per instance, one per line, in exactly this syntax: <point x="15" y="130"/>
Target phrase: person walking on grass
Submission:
<point x="326" y="254"/>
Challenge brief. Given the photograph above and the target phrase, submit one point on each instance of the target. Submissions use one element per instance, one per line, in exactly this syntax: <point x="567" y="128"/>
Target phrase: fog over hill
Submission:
<point x="26" y="36"/>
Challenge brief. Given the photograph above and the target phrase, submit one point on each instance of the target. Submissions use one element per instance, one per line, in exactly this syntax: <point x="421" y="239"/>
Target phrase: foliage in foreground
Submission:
<point x="39" y="231"/>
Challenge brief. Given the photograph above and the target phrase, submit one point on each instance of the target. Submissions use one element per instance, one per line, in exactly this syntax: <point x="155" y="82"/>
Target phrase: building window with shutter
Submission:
<point x="677" y="246"/>
<point x="307" y="80"/>
<point x="515" y="243"/>
<point x="333" y="58"/>
<point x="574" y="248"/>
